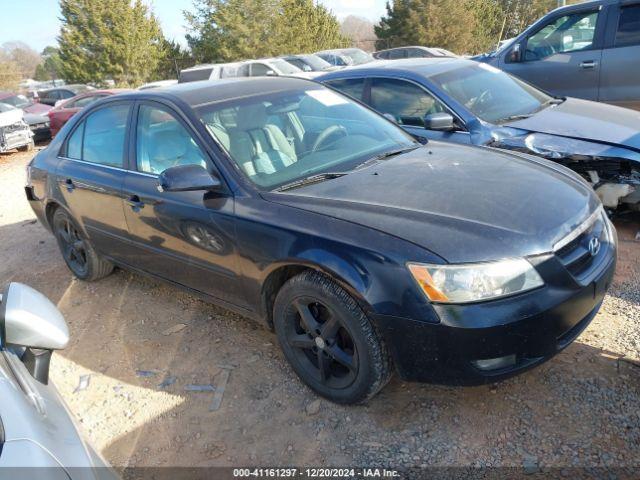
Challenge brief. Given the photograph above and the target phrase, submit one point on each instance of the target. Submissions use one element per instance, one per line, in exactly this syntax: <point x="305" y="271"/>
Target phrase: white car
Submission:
<point x="14" y="131"/>
<point x="208" y="71"/>
<point x="277" y="67"/>
<point x="39" y="438"/>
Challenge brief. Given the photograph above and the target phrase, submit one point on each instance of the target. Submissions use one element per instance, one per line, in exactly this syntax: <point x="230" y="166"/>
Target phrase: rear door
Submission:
<point x="564" y="55"/>
<point x="185" y="237"/>
<point x="91" y="173"/>
<point x="620" y="75"/>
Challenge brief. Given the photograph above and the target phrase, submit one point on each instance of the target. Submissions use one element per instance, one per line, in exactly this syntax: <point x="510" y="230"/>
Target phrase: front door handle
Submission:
<point x="588" y="64"/>
<point x="135" y="203"/>
<point x="68" y="183"/>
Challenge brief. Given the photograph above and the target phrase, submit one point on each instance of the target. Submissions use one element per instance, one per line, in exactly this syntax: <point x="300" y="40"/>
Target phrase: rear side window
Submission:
<point x="407" y="102"/>
<point x="195" y="75"/>
<point x="354" y="87"/>
<point x="100" y="137"/>
<point x="628" y="27"/>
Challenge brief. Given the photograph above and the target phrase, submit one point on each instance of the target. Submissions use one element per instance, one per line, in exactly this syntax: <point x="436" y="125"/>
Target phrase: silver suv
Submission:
<point x="589" y="51"/>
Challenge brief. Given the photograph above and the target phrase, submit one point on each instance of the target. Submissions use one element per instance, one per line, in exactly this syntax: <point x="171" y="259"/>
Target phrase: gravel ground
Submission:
<point x="143" y="345"/>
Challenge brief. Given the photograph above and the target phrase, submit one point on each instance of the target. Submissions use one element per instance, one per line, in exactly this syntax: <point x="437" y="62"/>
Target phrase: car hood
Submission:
<point x="35" y="118"/>
<point x="37" y="108"/>
<point x="587" y="120"/>
<point x="465" y="204"/>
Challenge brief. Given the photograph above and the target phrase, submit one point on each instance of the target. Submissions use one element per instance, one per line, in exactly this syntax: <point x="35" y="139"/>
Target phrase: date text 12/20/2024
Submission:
<point x="315" y="472"/>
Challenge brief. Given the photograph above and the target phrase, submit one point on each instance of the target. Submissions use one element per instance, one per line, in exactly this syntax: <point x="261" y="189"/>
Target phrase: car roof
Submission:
<point x="425" y="67"/>
<point x="72" y="88"/>
<point x="211" y="91"/>
<point x="7" y="94"/>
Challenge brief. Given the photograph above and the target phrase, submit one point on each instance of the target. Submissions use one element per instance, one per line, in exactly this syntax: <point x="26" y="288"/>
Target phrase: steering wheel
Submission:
<point x="327" y="134"/>
<point x="480" y="99"/>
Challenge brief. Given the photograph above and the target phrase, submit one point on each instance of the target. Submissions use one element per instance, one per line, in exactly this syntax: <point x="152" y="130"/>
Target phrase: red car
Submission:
<point x="60" y="114"/>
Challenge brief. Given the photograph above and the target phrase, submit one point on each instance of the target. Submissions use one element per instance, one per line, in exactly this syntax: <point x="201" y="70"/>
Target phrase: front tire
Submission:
<point x="76" y="249"/>
<point x="329" y="341"/>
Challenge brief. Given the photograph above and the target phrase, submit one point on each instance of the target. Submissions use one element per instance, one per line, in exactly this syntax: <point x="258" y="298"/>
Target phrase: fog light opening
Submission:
<point x="495" y="363"/>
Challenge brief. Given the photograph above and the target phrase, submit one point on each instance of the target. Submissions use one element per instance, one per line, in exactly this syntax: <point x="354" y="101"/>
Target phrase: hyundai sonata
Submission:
<point x="365" y="251"/>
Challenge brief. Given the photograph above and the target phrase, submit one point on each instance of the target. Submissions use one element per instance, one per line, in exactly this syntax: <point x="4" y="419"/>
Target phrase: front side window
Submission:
<point x="396" y="54"/>
<point x="163" y="142"/>
<point x="628" y="27"/>
<point x="354" y="87"/>
<point x="100" y="137"/>
<point x="406" y="102"/>
<point x="281" y="137"/>
<point x="570" y="33"/>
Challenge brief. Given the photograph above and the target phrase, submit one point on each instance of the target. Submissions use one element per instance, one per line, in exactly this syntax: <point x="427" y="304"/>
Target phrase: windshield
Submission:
<point x="282" y="137"/>
<point x="284" y="67"/>
<point x="491" y="94"/>
<point x="316" y="63"/>
<point x="18" y="101"/>
<point x="358" y="56"/>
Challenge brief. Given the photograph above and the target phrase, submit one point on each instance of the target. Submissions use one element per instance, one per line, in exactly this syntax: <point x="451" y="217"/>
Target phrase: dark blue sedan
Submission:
<point x="473" y="103"/>
<point x="365" y="251"/>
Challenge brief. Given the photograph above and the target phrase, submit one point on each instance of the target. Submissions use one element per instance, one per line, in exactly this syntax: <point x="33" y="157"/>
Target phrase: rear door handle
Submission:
<point x="135" y="203"/>
<point x="68" y="183"/>
<point x="588" y="64"/>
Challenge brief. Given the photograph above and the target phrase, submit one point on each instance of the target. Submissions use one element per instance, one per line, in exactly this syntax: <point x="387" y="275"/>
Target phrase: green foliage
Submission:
<point x="51" y="67"/>
<point x="109" y="39"/>
<point x="229" y="30"/>
<point x="173" y="59"/>
<point x="462" y="26"/>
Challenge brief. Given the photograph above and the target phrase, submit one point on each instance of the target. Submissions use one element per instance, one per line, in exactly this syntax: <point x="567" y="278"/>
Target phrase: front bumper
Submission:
<point x="41" y="132"/>
<point x="532" y="327"/>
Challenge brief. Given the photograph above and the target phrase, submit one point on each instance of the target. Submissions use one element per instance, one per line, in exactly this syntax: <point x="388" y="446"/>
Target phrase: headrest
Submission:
<point x="251" y="117"/>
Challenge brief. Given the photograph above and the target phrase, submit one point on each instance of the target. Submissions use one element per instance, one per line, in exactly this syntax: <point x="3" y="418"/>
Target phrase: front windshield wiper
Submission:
<point x="389" y="154"/>
<point x="309" y="180"/>
<point x="548" y="103"/>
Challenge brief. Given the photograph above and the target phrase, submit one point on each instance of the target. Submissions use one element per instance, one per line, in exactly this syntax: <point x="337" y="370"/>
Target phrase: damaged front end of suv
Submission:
<point x="612" y="171"/>
<point x="14" y="131"/>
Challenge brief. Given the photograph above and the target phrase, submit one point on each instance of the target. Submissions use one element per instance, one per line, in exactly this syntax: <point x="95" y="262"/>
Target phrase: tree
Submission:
<point x="51" y="67"/>
<point x="231" y="30"/>
<point x="9" y="73"/>
<point x="23" y="56"/>
<point x="360" y="31"/>
<point x="432" y="23"/>
<point x="109" y="39"/>
<point x="174" y="58"/>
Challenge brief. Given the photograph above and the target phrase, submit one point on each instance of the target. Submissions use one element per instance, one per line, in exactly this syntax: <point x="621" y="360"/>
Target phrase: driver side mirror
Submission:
<point x="29" y="319"/>
<point x="188" y="178"/>
<point x="271" y="73"/>
<point x="514" y="55"/>
<point x="441" y="122"/>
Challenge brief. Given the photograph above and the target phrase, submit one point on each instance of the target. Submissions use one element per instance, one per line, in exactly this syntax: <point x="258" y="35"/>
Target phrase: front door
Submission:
<point x="90" y="176"/>
<point x="564" y="56"/>
<point x="185" y="237"/>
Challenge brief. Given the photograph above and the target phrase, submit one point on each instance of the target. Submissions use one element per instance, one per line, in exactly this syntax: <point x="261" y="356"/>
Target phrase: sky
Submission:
<point x="36" y="23"/>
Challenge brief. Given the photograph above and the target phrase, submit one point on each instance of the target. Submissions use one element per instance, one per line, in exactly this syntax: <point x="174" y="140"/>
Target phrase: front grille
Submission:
<point x="576" y="256"/>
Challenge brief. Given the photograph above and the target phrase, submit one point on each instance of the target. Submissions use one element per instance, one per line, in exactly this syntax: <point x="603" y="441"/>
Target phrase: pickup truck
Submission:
<point x="589" y="50"/>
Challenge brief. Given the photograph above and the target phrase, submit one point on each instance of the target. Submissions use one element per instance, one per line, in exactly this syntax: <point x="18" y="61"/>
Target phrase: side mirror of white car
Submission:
<point x="29" y="319"/>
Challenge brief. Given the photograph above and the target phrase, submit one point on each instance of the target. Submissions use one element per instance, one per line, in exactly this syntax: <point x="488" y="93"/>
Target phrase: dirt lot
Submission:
<point x="143" y="343"/>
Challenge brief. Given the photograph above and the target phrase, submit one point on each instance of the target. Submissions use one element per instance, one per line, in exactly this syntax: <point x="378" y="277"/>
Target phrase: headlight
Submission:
<point x="475" y="282"/>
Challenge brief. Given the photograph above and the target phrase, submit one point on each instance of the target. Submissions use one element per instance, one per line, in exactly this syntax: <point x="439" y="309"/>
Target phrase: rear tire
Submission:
<point x="329" y="341"/>
<point x="76" y="249"/>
